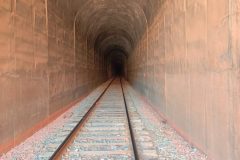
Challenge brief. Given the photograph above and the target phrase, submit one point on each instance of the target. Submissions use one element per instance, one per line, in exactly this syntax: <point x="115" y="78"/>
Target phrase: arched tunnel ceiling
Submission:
<point x="108" y="41"/>
<point x="109" y="24"/>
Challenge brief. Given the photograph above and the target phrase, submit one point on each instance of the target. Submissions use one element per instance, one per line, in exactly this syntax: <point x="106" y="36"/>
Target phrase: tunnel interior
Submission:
<point x="117" y="63"/>
<point x="117" y="69"/>
<point x="182" y="56"/>
<point x="112" y="30"/>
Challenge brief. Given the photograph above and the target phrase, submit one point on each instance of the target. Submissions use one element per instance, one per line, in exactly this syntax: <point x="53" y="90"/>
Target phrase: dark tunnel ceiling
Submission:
<point x="111" y="24"/>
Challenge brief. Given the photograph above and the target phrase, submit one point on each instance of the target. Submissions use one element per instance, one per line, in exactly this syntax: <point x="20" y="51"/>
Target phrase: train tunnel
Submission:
<point x="181" y="56"/>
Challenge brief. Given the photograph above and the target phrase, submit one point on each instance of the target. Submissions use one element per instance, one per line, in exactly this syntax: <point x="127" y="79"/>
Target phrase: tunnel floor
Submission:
<point x="107" y="133"/>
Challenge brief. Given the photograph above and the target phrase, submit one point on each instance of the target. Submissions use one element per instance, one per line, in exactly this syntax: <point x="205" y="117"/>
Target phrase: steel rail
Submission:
<point x="61" y="148"/>
<point x="134" y="145"/>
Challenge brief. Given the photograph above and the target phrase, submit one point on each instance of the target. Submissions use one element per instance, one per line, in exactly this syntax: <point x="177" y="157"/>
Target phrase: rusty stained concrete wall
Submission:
<point x="73" y="68"/>
<point x="40" y="72"/>
<point x="187" y="65"/>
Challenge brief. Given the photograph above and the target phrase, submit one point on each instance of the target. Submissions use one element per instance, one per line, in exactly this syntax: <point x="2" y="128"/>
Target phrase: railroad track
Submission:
<point x="100" y="128"/>
<point x="105" y="132"/>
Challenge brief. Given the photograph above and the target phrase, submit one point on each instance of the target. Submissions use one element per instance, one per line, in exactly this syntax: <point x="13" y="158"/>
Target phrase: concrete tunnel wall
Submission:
<point x="187" y="65"/>
<point x="182" y="55"/>
<point x="41" y="70"/>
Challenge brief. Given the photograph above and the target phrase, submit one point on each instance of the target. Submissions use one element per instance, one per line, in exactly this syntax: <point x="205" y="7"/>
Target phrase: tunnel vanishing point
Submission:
<point x="182" y="56"/>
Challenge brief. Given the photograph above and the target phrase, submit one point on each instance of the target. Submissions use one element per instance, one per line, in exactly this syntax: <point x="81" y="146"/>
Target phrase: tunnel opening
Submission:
<point x="117" y="69"/>
<point x="116" y="62"/>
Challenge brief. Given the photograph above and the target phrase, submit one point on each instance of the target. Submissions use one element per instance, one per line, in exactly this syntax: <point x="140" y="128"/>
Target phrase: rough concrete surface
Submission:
<point x="190" y="71"/>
